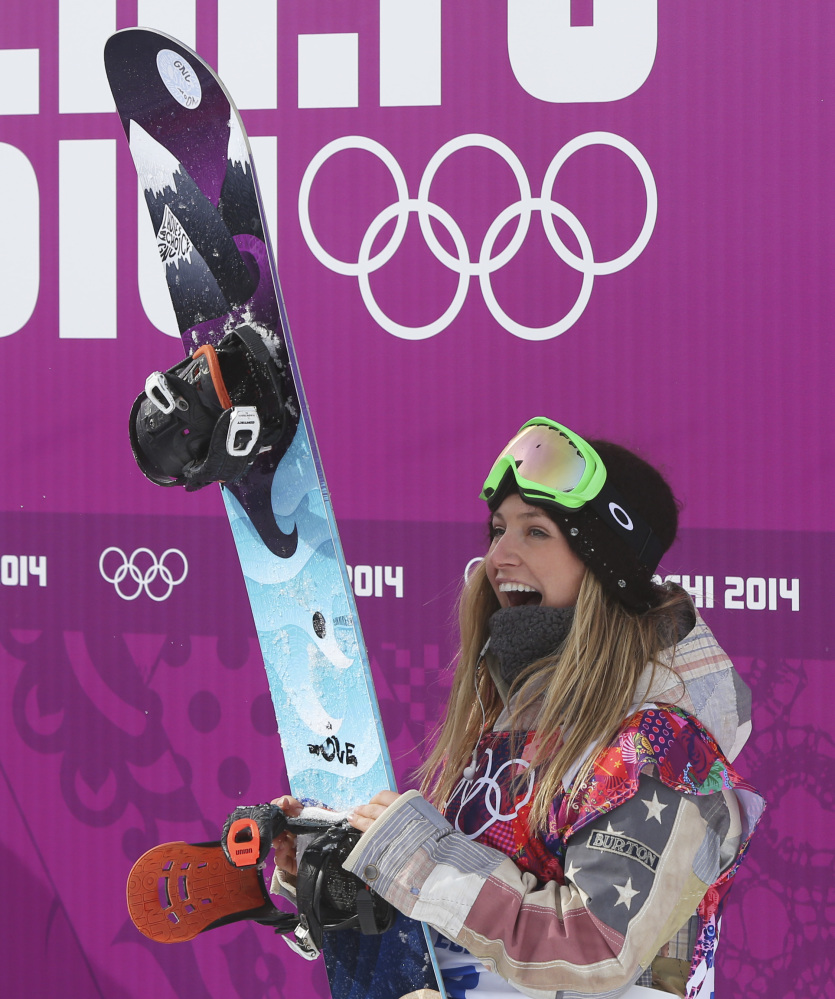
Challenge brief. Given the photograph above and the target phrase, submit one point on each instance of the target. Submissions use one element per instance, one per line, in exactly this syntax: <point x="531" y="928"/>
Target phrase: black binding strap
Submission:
<point x="329" y="897"/>
<point x="207" y="418"/>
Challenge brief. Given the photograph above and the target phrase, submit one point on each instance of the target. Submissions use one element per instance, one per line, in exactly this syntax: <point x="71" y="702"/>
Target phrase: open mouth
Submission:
<point x="519" y="595"/>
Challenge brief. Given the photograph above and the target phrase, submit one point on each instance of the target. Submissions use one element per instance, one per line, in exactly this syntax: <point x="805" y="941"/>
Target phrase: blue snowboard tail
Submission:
<point x="194" y="163"/>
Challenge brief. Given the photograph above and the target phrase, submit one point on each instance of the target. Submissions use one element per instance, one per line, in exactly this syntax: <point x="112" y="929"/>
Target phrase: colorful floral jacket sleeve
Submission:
<point x="586" y="906"/>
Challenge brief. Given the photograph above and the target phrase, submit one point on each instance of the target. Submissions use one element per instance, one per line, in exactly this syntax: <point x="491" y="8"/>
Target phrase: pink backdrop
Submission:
<point x="676" y="298"/>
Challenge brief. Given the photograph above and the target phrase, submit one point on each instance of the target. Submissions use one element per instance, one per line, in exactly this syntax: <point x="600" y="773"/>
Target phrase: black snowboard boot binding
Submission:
<point x="209" y="417"/>
<point x="328" y="897"/>
<point x="176" y="891"/>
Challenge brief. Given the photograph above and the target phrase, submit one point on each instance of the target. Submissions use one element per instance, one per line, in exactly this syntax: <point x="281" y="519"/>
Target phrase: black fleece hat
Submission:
<point x="610" y="558"/>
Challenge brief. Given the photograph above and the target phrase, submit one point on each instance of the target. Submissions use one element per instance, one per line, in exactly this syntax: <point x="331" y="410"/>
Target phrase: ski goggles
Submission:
<point x="551" y="465"/>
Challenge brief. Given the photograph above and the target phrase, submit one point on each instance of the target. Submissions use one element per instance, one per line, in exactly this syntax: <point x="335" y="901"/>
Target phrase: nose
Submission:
<point x="503" y="551"/>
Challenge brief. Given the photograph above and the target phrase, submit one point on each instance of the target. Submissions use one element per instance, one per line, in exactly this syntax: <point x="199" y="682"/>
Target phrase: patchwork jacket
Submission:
<point x="645" y="856"/>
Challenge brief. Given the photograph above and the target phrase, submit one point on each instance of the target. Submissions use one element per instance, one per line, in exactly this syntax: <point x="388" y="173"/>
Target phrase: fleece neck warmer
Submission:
<point x="521" y="635"/>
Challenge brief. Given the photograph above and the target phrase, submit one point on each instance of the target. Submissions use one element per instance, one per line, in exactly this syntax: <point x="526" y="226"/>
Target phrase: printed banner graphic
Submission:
<point x="609" y="212"/>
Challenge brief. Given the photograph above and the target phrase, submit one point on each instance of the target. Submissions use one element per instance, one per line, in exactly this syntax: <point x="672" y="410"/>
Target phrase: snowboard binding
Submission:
<point x="330" y="898"/>
<point x="177" y="890"/>
<point x="209" y="417"/>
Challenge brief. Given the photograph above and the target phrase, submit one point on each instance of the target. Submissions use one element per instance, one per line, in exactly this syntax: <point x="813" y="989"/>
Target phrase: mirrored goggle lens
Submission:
<point x="547" y="457"/>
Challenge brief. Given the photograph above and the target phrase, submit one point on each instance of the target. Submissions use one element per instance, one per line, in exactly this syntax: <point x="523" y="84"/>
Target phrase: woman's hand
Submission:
<point x="285" y="843"/>
<point x="363" y="815"/>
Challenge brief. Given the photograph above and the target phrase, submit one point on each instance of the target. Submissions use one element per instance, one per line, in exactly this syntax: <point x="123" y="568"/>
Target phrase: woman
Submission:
<point x="579" y="822"/>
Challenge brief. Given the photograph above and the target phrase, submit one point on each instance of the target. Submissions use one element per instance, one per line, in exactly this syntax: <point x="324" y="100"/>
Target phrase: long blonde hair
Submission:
<point x="582" y="695"/>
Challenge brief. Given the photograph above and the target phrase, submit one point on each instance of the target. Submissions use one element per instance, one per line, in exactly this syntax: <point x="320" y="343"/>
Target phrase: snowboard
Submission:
<point x="194" y="163"/>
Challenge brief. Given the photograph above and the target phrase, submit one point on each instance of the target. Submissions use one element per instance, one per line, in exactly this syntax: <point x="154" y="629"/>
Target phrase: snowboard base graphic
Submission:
<point x="193" y="160"/>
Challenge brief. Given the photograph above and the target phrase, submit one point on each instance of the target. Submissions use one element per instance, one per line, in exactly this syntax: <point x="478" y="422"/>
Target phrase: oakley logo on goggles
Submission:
<point x="553" y="466"/>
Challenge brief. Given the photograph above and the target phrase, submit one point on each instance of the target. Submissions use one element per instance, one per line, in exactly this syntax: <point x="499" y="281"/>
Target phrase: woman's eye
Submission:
<point x="496" y="532"/>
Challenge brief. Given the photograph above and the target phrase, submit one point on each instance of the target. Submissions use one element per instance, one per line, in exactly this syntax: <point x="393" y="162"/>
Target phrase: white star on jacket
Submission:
<point x="572" y="871"/>
<point x="626" y="893"/>
<point x="654" y="808"/>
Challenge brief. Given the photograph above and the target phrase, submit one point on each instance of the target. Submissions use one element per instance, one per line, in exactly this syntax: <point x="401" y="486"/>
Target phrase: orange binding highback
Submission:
<point x="177" y="890"/>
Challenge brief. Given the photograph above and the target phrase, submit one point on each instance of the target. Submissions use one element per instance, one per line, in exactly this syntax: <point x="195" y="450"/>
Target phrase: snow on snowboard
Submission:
<point x="193" y="160"/>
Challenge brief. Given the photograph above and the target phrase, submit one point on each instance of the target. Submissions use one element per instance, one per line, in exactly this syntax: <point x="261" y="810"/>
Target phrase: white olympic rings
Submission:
<point x="489" y="785"/>
<point x="485" y="265"/>
<point x="143" y="579"/>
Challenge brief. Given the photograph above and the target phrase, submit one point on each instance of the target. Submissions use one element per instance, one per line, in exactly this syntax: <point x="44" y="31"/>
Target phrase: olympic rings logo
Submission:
<point x="141" y="570"/>
<point x="486" y="264"/>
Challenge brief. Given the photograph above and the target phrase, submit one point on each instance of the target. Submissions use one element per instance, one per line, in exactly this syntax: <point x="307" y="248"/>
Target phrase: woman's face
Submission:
<point x="529" y="561"/>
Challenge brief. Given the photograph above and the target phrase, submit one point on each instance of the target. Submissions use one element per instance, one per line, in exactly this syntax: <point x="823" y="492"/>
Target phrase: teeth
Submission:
<point x="516" y="588"/>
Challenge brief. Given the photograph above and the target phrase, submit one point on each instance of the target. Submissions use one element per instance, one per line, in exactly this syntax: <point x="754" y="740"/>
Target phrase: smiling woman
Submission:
<point x="529" y="562"/>
<point x="580" y="821"/>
